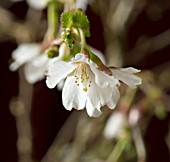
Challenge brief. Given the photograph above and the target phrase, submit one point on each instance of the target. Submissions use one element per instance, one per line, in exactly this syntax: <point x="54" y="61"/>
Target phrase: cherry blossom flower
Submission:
<point x="23" y="54"/>
<point x="85" y="86"/>
<point x="36" y="63"/>
<point x="88" y="87"/>
<point x="114" y="126"/>
<point x="35" y="69"/>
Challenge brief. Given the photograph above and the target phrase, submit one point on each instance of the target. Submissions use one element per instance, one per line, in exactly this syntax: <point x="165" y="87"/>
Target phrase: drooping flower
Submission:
<point x="35" y="69"/>
<point x="36" y="63"/>
<point x="114" y="126"/>
<point x="23" y="54"/>
<point x="86" y="86"/>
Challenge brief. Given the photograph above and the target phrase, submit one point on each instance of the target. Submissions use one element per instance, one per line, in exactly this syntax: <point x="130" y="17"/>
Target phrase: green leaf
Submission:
<point x="76" y="18"/>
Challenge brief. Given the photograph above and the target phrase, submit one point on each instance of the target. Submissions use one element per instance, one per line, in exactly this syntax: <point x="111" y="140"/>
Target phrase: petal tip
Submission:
<point x="49" y="85"/>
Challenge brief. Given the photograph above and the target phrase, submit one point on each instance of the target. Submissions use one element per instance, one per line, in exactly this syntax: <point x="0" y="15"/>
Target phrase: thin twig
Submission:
<point x="21" y="110"/>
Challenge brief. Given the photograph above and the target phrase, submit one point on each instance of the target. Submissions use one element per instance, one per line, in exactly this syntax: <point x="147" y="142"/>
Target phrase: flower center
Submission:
<point x="82" y="77"/>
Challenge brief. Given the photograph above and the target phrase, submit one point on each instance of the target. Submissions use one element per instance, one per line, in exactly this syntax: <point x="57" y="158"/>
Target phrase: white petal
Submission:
<point x="114" y="124"/>
<point x="57" y="71"/>
<point x="98" y="96"/>
<point x="23" y="54"/>
<point x="14" y="66"/>
<point x="60" y="85"/>
<point x="80" y="58"/>
<point x="35" y="70"/>
<point x="38" y="4"/>
<point x="72" y="95"/>
<point x="127" y="76"/>
<point x="99" y="54"/>
<point x="103" y="79"/>
<point x="115" y="97"/>
<point x="91" y="111"/>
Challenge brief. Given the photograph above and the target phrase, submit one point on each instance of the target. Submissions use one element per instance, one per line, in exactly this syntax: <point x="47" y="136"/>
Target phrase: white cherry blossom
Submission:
<point x="23" y="54"/>
<point x="88" y="87"/>
<point x="114" y="126"/>
<point x="36" y="68"/>
<point x="36" y="63"/>
<point x="85" y="85"/>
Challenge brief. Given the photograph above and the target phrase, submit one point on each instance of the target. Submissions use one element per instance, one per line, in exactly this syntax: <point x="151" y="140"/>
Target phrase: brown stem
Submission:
<point x="21" y="108"/>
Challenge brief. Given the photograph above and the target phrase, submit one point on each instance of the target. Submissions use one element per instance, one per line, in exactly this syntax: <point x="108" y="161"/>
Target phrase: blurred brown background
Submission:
<point x="48" y="114"/>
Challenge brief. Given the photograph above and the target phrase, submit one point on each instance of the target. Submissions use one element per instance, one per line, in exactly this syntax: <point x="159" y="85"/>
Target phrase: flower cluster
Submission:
<point x="89" y="83"/>
<point x="86" y="79"/>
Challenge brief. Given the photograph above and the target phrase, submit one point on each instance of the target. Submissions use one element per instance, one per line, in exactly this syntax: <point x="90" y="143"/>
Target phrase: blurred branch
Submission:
<point x="21" y="108"/>
<point x="20" y="31"/>
<point x="118" y="150"/>
<point x="146" y="46"/>
<point x="115" y="22"/>
<point x="154" y="91"/>
<point x="139" y="143"/>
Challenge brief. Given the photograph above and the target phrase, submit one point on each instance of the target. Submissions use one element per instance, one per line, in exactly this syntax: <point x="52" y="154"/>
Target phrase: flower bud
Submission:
<point x="67" y="37"/>
<point x="52" y="52"/>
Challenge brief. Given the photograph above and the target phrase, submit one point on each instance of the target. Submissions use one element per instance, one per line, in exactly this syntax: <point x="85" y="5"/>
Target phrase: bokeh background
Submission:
<point x="144" y="44"/>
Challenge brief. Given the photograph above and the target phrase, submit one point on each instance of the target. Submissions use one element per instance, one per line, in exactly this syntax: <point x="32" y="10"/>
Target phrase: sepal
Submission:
<point x="76" y="18"/>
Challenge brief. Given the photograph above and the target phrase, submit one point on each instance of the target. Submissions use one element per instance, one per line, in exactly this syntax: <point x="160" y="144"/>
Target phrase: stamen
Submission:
<point x="81" y="77"/>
